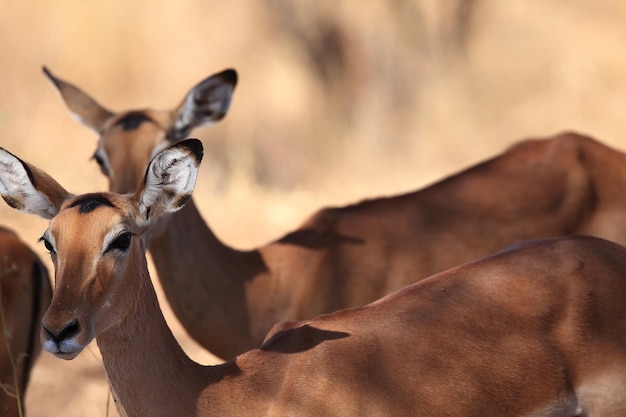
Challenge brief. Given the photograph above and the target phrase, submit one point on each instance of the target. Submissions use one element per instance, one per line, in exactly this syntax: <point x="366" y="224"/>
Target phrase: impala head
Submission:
<point x="95" y="240"/>
<point x="128" y="140"/>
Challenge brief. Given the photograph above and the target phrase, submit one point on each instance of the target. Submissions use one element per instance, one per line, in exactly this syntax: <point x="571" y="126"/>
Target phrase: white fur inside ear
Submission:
<point x="205" y="104"/>
<point x="170" y="178"/>
<point x="17" y="189"/>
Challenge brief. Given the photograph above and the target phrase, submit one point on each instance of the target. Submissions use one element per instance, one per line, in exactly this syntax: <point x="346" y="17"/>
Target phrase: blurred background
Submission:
<point x="337" y="101"/>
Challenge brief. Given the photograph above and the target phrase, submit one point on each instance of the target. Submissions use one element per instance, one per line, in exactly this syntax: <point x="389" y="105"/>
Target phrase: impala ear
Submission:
<point x="28" y="189"/>
<point x="170" y="178"/>
<point x="205" y="104"/>
<point x="87" y="110"/>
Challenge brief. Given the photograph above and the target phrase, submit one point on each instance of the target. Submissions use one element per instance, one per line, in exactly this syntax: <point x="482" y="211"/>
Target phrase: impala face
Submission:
<point x="90" y="242"/>
<point x="95" y="240"/>
<point x="128" y="143"/>
<point x="130" y="139"/>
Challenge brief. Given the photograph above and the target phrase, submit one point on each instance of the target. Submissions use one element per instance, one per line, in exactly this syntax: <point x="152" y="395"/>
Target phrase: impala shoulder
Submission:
<point x="322" y="230"/>
<point x="575" y="143"/>
<point x="332" y="217"/>
<point x="559" y="143"/>
<point x="575" y="252"/>
<point x="588" y="246"/>
<point x="573" y="136"/>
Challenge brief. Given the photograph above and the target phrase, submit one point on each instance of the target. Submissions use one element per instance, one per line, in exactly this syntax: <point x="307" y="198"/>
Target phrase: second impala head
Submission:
<point x="129" y="139"/>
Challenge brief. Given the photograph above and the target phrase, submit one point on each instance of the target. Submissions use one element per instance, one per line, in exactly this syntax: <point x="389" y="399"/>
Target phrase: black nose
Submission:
<point x="68" y="330"/>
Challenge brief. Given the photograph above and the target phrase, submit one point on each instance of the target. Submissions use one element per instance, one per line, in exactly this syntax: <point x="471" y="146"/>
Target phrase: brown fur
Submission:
<point x="347" y="256"/>
<point x="536" y="330"/>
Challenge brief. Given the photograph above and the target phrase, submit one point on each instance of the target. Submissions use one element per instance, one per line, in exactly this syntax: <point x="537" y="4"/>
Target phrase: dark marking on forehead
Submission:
<point x="133" y="120"/>
<point x="89" y="202"/>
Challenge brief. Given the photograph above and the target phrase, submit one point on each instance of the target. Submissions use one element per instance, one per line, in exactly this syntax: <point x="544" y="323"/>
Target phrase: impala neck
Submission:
<point x="203" y="278"/>
<point x="148" y="372"/>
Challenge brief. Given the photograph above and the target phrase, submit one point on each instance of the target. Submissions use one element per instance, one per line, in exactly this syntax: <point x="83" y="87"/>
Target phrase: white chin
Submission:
<point x="64" y="350"/>
<point x="67" y="355"/>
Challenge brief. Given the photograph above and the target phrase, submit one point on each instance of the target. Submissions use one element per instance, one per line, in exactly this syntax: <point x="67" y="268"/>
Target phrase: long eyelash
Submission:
<point x="97" y="158"/>
<point x="112" y="246"/>
<point x="46" y="243"/>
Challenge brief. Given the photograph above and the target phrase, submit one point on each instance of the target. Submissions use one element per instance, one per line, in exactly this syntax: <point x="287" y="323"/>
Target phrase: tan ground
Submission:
<point x="404" y="106"/>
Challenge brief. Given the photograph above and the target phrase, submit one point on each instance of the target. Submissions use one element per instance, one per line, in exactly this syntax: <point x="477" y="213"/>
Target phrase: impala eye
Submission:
<point x="101" y="163"/>
<point x="47" y="244"/>
<point x="121" y="243"/>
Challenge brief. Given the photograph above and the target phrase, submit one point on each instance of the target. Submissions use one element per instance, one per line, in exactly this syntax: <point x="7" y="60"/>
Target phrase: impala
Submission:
<point x="25" y="294"/>
<point x="537" y="330"/>
<point x="349" y="256"/>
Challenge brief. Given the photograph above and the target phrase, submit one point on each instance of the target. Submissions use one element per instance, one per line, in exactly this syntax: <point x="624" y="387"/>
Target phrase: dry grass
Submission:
<point x="336" y="102"/>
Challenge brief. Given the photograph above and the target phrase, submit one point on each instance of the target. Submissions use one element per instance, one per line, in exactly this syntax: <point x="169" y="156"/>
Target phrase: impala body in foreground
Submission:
<point x="536" y="330"/>
<point x="25" y="294"/>
<point x="341" y="257"/>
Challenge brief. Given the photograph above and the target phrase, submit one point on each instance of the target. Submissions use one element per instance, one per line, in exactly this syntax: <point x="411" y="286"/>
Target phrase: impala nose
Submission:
<point x="67" y="331"/>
